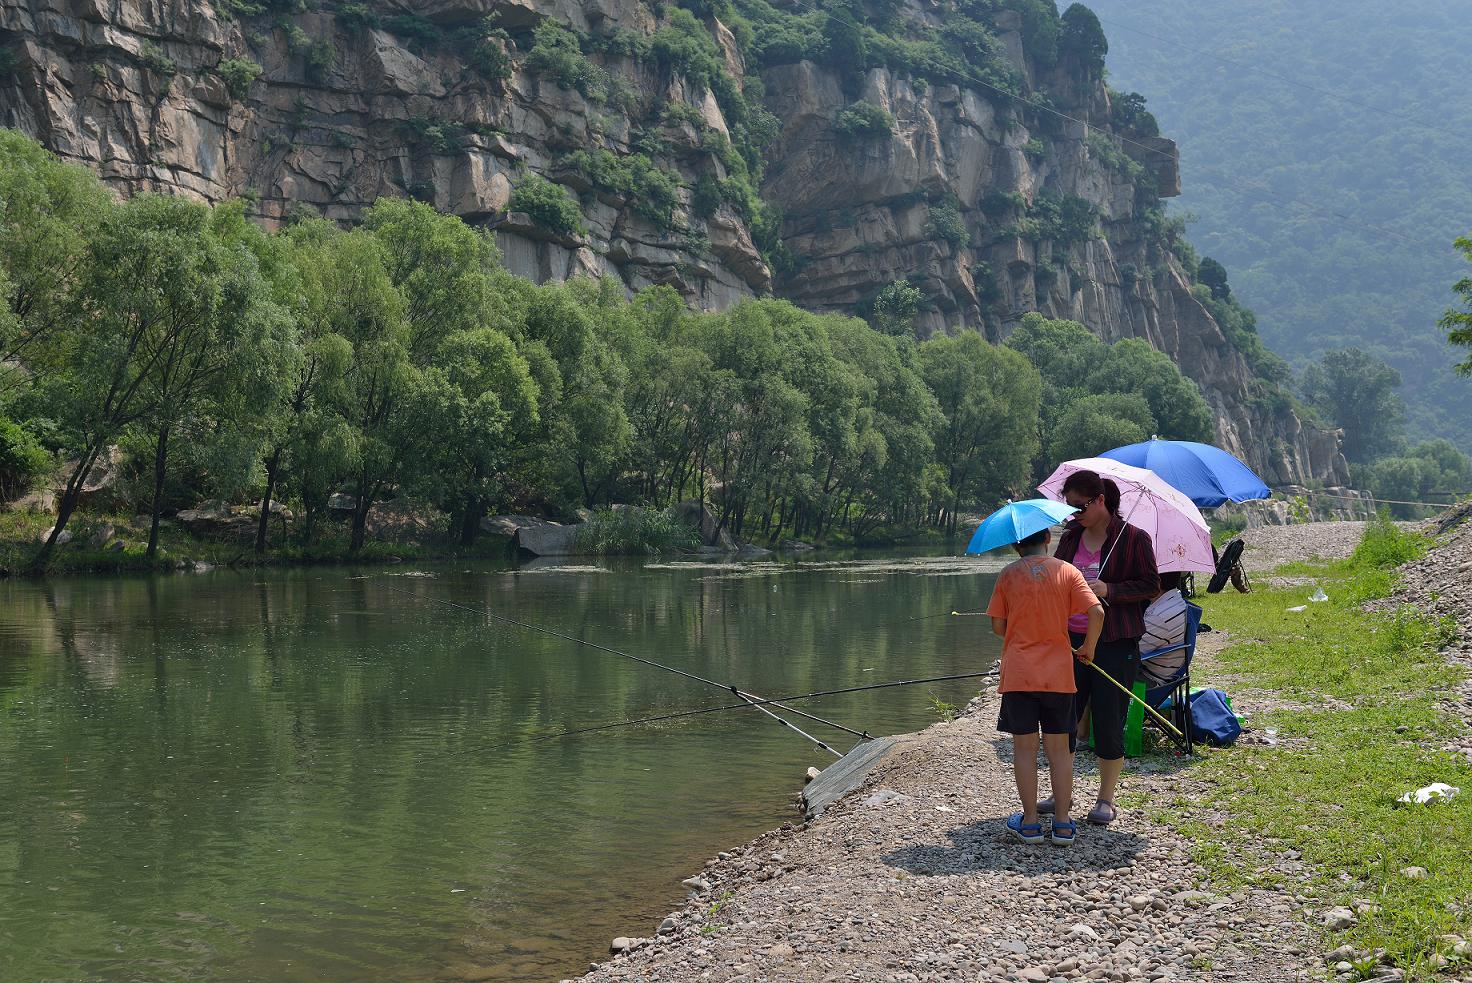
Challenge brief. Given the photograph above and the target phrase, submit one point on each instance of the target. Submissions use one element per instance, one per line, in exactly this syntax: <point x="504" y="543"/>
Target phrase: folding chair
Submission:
<point x="1165" y="674"/>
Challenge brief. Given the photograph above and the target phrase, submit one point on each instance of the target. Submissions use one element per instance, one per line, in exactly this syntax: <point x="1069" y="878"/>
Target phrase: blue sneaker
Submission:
<point x="1064" y="832"/>
<point x="1026" y="832"/>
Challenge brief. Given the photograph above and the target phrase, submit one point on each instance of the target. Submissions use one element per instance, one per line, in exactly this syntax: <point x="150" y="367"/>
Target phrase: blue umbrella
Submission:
<point x="1016" y="521"/>
<point x="1207" y="475"/>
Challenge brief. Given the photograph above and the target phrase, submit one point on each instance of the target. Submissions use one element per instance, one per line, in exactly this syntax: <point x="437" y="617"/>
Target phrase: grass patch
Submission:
<point x="634" y="530"/>
<point x="1329" y="789"/>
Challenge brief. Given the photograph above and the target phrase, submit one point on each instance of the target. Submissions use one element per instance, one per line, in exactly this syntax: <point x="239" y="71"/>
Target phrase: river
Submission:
<point x="323" y="775"/>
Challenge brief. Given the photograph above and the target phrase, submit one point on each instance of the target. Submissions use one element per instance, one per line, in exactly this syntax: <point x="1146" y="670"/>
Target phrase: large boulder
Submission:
<point x="694" y="513"/>
<point x="547" y="539"/>
<point x="215" y="519"/>
<point x="507" y="526"/>
<point x="61" y="540"/>
<point x="101" y="489"/>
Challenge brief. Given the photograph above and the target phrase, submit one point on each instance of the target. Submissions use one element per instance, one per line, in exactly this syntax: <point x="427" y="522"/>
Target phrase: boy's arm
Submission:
<point x="1085" y="652"/>
<point x="999" y="626"/>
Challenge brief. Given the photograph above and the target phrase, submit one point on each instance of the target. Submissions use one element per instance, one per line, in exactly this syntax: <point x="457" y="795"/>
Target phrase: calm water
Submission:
<point x="297" y="775"/>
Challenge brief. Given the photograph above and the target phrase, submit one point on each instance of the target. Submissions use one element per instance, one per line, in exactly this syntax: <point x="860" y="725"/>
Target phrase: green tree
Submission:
<point x="440" y="270"/>
<point x="1214" y="275"/>
<point x="848" y="51"/>
<point x="896" y="307"/>
<point x="471" y="407"/>
<point x="222" y="362"/>
<point x="1358" y="392"/>
<point x="1458" y="323"/>
<point x="22" y="458"/>
<point x="339" y="283"/>
<point x="47" y="209"/>
<point x="163" y="318"/>
<point x="1094" y="424"/>
<point x="1082" y="36"/>
<point x="1132" y="366"/>
<point x="548" y="204"/>
<point x="989" y="400"/>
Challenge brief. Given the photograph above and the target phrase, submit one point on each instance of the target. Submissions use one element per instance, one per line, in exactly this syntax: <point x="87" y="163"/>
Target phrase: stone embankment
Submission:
<point x="912" y="877"/>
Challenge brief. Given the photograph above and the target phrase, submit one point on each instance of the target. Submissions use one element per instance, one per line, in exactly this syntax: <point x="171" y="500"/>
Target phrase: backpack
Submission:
<point x="1228" y="564"/>
<point x="1212" y="718"/>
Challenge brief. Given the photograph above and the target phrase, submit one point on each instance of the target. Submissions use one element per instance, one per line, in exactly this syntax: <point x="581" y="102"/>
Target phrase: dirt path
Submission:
<point x="912" y="877"/>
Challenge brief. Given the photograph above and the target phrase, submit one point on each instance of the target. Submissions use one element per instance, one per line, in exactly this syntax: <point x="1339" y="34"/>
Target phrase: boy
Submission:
<point x="1030" y="607"/>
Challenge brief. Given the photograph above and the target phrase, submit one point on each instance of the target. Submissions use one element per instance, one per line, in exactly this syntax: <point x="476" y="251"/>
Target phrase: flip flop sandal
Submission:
<point x="1103" y="813"/>
<point x="1064" y="832"/>
<point x="1026" y="832"/>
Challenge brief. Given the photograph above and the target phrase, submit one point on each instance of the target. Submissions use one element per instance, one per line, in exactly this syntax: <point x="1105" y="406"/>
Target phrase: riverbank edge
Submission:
<point x="1313" y="901"/>
<point x="180" y="550"/>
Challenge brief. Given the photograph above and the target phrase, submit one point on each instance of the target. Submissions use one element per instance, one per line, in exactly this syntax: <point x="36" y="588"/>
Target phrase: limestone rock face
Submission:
<point x="136" y="91"/>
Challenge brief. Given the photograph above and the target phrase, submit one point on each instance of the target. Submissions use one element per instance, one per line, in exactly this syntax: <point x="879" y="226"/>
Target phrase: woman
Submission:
<point x="1118" y="561"/>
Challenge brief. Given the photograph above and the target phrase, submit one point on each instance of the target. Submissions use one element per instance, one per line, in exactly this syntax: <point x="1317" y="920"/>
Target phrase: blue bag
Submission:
<point x="1212" y="718"/>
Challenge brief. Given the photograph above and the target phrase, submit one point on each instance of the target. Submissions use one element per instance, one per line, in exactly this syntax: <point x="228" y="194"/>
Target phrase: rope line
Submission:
<point x="750" y="699"/>
<point x="1389" y="501"/>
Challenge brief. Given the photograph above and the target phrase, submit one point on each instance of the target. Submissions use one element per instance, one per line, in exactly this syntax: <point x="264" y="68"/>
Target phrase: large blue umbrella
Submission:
<point x="1016" y="521"/>
<point x="1207" y="475"/>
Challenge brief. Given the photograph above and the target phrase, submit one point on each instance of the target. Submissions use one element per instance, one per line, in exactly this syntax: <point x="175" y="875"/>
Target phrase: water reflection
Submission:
<point x="303" y="774"/>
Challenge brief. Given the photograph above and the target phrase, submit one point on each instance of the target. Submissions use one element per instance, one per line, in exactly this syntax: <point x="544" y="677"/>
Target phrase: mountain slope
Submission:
<point x="727" y="149"/>
<point x="1325" y="150"/>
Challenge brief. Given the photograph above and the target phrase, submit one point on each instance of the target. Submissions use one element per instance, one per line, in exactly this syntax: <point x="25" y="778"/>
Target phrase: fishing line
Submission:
<point x="751" y="699"/>
<point x="736" y="706"/>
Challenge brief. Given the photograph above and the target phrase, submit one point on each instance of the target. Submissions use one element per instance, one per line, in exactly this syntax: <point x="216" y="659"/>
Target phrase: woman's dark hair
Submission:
<point x="1089" y="484"/>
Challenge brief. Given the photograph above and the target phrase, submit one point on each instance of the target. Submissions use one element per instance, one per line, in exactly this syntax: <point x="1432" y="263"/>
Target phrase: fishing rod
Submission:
<point x="736" y="706"/>
<point x="749" y="699"/>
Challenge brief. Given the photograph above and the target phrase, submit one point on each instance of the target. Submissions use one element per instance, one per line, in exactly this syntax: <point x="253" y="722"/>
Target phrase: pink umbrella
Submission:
<point x="1181" y="536"/>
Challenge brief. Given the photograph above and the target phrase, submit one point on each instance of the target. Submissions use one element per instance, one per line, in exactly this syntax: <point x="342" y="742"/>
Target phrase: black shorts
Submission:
<point x="1026" y="712"/>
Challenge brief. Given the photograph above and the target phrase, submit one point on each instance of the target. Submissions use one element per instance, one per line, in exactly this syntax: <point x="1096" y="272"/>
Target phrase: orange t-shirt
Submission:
<point x="1036" y="595"/>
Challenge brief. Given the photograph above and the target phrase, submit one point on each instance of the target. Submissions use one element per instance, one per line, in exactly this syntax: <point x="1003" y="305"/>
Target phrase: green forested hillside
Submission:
<point x="1325" y="149"/>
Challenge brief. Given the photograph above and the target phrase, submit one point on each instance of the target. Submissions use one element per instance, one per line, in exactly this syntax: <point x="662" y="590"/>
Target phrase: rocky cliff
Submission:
<point x="991" y="206"/>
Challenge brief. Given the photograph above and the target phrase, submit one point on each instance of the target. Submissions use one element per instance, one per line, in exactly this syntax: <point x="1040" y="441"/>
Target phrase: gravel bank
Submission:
<point x="1269" y="547"/>
<point x="912" y="877"/>
<point x="1441" y="582"/>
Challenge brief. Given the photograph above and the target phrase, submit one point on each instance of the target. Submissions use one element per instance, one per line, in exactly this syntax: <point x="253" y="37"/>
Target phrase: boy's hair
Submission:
<point x="1036" y="539"/>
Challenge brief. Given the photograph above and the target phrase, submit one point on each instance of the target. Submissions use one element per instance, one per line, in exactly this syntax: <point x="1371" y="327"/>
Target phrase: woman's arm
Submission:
<point x="1138" y="579"/>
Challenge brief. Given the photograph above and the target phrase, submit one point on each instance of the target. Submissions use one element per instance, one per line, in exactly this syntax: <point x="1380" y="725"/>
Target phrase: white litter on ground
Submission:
<point x="1435" y="792"/>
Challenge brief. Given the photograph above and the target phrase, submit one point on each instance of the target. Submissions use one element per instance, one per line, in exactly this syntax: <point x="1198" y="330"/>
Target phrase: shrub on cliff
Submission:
<point x="863" y="119"/>
<point x="947" y="224"/>
<point x="648" y="189"/>
<point x="557" y="54"/>
<point x="1081" y="36"/>
<point x="548" y="204"/>
<point x="239" y="75"/>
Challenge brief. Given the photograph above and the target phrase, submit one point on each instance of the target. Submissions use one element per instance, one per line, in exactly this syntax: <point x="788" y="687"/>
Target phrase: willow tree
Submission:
<point x="989" y="398"/>
<point x="47" y="210"/>
<point x="167" y="321"/>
